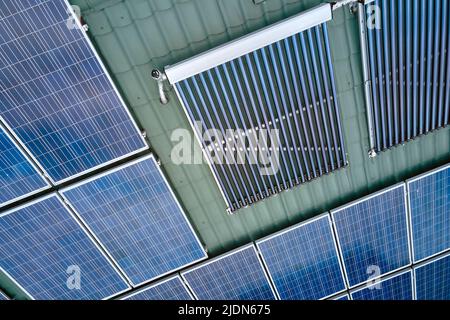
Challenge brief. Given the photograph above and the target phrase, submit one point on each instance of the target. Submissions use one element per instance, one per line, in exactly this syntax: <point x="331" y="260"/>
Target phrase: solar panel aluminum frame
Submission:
<point x="340" y="296"/>
<point x="386" y="278"/>
<point x="269" y="281"/>
<point x="128" y="164"/>
<point x="442" y="256"/>
<point x="238" y="48"/>
<point x="83" y="228"/>
<point x="351" y="204"/>
<point x="79" y="25"/>
<point x="297" y="226"/>
<point x="32" y="163"/>
<point x="408" y="183"/>
<point x="132" y="294"/>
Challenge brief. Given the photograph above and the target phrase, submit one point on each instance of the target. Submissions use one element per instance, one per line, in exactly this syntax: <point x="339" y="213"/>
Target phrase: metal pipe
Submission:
<point x="160" y="77"/>
<point x="367" y="81"/>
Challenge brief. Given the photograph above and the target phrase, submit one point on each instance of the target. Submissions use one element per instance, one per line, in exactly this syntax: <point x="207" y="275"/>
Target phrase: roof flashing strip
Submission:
<point x="249" y="43"/>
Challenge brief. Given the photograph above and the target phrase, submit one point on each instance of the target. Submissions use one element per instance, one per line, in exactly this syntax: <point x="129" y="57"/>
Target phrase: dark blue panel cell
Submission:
<point x="399" y="287"/>
<point x="55" y="94"/>
<point x="373" y="235"/>
<point x="303" y="261"/>
<point x="18" y="177"/>
<point x="45" y="250"/>
<point x="134" y="214"/>
<point x="433" y="280"/>
<point x="170" y="289"/>
<point x="238" y="275"/>
<point x="429" y="198"/>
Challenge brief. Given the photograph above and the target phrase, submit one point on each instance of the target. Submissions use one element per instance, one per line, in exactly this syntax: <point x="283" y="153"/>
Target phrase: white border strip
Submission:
<point x="223" y="256"/>
<point x="334" y="212"/>
<point x="82" y="228"/>
<point x="27" y="158"/>
<point x="249" y="43"/>
<point x="156" y="284"/>
<point x="295" y="227"/>
<point x="129" y="164"/>
<point x="340" y="296"/>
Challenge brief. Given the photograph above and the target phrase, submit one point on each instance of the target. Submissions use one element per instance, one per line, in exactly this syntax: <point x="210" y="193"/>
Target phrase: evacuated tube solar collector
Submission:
<point x="275" y="88"/>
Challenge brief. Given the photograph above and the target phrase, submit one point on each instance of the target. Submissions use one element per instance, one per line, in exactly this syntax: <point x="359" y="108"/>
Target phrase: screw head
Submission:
<point x="156" y="74"/>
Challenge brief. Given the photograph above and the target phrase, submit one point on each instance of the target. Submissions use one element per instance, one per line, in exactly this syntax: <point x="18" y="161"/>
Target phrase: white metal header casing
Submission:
<point x="249" y="43"/>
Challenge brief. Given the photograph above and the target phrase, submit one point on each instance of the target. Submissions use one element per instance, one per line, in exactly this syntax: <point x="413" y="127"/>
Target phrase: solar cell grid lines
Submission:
<point x="429" y="203"/>
<point x="397" y="287"/>
<point x="373" y="235"/>
<point x="43" y="245"/>
<point x="55" y="94"/>
<point x="168" y="289"/>
<point x="18" y="176"/>
<point x="238" y="275"/>
<point x="135" y="216"/>
<point x="303" y="261"/>
<point x="432" y="279"/>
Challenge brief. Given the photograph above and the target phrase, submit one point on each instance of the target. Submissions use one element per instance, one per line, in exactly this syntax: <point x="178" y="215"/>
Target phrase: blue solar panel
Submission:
<point x="169" y="289"/>
<point x="18" y="177"/>
<point x="433" y="280"/>
<point x="3" y="296"/>
<point x="238" y="275"/>
<point x="373" y="235"/>
<point x="398" y="287"/>
<point x="44" y="249"/>
<point x="303" y="262"/>
<point x="429" y="199"/>
<point x="55" y="94"/>
<point x="134" y="214"/>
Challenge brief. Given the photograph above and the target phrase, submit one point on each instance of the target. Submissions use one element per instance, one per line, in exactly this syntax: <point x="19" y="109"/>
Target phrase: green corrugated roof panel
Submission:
<point x="135" y="36"/>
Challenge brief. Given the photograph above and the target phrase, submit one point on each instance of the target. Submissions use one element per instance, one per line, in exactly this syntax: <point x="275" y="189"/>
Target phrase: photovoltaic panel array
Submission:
<point x="281" y="102"/>
<point x="45" y="250"/>
<point x="409" y="61"/>
<point x="433" y="280"/>
<point x="18" y="177"/>
<point x="238" y="275"/>
<point x="372" y="234"/>
<point x="398" y="287"/>
<point x="303" y="261"/>
<point x="55" y="94"/>
<point x="136" y="217"/>
<point x="429" y="202"/>
<point x="170" y="289"/>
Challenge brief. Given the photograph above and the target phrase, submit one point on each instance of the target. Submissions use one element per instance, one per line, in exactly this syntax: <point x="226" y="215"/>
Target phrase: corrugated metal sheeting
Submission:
<point x="409" y="64"/>
<point x="287" y="86"/>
